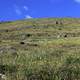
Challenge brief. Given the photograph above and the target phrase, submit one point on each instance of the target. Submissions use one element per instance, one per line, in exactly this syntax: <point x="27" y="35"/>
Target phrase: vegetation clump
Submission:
<point x="22" y="42"/>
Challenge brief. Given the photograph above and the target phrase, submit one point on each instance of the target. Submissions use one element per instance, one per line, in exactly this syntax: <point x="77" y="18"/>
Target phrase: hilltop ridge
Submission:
<point x="49" y="27"/>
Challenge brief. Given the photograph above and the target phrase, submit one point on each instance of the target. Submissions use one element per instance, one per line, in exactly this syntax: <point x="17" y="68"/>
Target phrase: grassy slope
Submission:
<point x="51" y="49"/>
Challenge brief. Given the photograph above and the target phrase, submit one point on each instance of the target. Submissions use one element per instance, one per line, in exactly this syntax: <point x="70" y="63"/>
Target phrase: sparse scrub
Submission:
<point x="40" y="49"/>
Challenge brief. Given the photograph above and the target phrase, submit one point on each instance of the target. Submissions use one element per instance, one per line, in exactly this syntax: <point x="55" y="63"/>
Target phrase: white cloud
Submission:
<point x="28" y="17"/>
<point x="78" y="1"/>
<point x="25" y="7"/>
<point x="17" y="10"/>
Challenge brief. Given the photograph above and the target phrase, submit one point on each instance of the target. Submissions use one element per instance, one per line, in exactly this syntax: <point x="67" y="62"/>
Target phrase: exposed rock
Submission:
<point x="2" y="77"/>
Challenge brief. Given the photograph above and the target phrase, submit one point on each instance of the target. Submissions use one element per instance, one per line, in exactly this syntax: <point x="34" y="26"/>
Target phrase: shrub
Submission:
<point x="28" y="35"/>
<point x="22" y="43"/>
<point x="7" y="68"/>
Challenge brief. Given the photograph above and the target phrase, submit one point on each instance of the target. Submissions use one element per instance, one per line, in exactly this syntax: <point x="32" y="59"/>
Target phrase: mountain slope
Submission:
<point x="40" y="49"/>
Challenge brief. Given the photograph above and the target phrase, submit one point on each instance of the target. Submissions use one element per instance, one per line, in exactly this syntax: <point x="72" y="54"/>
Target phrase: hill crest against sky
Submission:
<point x="21" y="9"/>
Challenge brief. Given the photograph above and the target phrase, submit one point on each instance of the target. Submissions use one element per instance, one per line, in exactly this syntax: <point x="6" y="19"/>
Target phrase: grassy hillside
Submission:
<point x="40" y="49"/>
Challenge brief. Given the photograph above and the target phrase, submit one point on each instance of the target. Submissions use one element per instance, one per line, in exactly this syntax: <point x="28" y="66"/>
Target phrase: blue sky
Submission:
<point x="21" y="9"/>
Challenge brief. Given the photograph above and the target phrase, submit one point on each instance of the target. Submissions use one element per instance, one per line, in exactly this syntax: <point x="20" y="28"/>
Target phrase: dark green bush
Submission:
<point x="8" y="68"/>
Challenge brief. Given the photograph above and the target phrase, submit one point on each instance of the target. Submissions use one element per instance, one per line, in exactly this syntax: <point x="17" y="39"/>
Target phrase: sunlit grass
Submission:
<point x="40" y="49"/>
